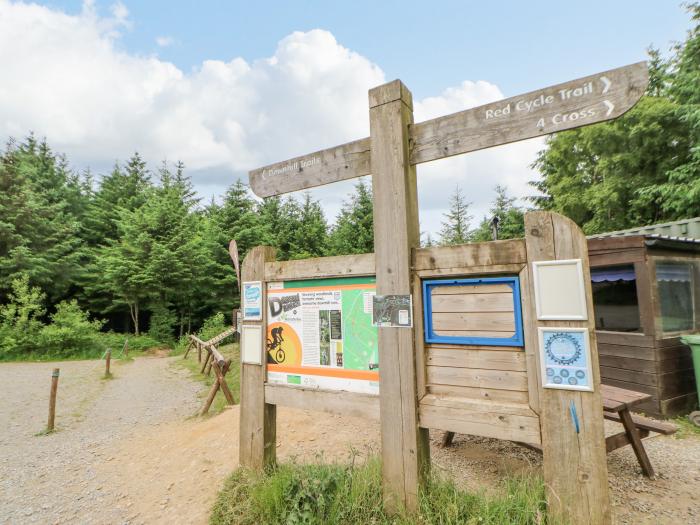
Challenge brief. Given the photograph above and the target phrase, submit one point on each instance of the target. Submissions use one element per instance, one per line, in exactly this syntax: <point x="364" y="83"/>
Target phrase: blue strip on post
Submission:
<point x="432" y="337"/>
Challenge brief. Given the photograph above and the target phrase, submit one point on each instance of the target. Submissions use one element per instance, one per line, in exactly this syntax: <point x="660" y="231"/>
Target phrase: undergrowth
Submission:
<point x="351" y="494"/>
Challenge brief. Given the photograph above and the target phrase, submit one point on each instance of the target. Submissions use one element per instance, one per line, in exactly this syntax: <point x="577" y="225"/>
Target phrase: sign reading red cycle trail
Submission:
<point x="588" y="100"/>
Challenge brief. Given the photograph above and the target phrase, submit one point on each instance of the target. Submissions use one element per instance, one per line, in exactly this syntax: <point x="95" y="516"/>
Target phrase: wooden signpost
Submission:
<point x="395" y="146"/>
<point x="581" y="102"/>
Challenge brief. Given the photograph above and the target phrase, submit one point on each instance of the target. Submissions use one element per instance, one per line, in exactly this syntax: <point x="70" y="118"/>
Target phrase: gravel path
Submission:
<point x="126" y="451"/>
<point x="52" y="478"/>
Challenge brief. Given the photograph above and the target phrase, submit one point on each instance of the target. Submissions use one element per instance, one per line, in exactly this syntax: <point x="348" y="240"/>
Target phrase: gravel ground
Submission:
<point x="126" y="452"/>
<point x="52" y="478"/>
<point x="672" y="498"/>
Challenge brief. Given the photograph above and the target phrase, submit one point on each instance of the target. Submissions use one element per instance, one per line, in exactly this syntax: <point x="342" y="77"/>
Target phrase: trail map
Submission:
<point x="320" y="334"/>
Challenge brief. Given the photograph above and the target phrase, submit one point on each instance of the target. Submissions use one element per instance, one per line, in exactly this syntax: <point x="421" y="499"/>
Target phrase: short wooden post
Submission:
<point x="405" y="447"/>
<point x="52" y="400"/>
<point x="126" y="349"/>
<point x="258" y="420"/>
<point x="108" y="360"/>
<point x="575" y="463"/>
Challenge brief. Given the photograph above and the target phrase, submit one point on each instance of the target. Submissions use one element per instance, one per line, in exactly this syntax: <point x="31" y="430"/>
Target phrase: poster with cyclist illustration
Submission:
<point x="320" y="334"/>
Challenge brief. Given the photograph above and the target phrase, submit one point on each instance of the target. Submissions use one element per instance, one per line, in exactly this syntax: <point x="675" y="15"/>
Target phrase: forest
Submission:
<point x="87" y="258"/>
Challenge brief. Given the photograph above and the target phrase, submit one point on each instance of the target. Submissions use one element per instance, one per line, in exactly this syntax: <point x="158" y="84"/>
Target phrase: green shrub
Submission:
<point x="161" y="325"/>
<point x="20" y="323"/>
<point x="70" y="332"/>
<point x="337" y="494"/>
<point x="212" y="327"/>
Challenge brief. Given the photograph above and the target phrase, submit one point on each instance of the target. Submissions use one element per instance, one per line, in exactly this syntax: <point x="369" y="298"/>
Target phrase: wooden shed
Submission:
<point x="646" y="294"/>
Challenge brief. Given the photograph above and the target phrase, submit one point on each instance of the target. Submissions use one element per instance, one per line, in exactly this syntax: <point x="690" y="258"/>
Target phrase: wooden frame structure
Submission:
<point x="650" y="360"/>
<point x="483" y="390"/>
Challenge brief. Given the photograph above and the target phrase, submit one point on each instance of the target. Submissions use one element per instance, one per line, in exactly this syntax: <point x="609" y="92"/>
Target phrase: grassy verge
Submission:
<point x="686" y="428"/>
<point x="345" y="494"/>
<point x="233" y="377"/>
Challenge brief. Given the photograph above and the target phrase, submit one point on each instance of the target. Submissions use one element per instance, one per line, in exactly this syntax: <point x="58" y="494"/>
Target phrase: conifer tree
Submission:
<point x="353" y="231"/>
<point x="455" y="227"/>
<point x="511" y="218"/>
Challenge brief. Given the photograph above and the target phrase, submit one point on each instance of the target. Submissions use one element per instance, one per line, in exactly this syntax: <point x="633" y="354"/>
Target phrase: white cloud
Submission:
<point x="164" y="41"/>
<point x="65" y="77"/>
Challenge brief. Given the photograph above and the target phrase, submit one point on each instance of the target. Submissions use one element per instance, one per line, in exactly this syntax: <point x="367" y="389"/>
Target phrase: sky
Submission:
<point x="229" y="86"/>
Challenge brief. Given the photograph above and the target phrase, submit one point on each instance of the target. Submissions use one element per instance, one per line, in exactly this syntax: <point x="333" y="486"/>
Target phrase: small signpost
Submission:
<point x="395" y="146"/>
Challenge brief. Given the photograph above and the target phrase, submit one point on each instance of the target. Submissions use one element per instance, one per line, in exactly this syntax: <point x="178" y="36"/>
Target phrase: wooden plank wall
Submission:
<point x="470" y="389"/>
<point x="473" y="311"/>
<point x="645" y="362"/>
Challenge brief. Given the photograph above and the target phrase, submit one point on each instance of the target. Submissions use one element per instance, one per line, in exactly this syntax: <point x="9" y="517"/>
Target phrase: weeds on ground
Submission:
<point x="347" y="494"/>
<point x="686" y="428"/>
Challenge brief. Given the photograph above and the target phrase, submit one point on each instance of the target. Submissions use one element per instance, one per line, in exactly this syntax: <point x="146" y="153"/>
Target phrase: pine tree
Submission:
<point x="455" y="229"/>
<point x="511" y="218"/>
<point x="353" y="231"/>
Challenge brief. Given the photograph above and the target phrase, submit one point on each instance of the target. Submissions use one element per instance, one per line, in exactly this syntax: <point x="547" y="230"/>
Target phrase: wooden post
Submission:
<point x="405" y="448"/>
<point x="258" y="420"/>
<point x="575" y="463"/>
<point x="126" y="348"/>
<point x="108" y="359"/>
<point x="52" y="400"/>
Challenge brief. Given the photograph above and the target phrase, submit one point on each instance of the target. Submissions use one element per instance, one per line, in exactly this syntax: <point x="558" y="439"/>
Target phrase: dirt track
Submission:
<point x="127" y="452"/>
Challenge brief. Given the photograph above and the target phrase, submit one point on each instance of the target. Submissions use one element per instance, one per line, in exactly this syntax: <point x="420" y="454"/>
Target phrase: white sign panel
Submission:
<point x="560" y="292"/>
<point x="252" y="301"/>
<point x="251" y="344"/>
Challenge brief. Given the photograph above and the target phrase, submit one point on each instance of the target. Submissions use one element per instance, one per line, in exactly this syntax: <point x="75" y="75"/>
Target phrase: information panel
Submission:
<point x="320" y="334"/>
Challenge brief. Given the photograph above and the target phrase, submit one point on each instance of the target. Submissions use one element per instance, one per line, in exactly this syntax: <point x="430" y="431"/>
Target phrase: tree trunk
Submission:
<point x="134" y="310"/>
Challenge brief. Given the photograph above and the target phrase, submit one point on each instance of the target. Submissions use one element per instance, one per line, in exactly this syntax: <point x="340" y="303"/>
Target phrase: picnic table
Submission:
<point x="617" y="403"/>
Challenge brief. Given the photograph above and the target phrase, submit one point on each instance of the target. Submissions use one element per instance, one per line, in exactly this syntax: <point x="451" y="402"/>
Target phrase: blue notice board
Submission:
<point x="431" y="336"/>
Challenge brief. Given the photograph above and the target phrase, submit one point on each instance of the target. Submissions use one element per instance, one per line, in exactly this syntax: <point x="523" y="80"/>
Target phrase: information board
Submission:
<point x="566" y="358"/>
<point x="320" y="334"/>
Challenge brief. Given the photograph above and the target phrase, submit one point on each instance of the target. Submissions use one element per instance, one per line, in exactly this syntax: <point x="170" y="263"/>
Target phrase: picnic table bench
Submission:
<point x="617" y="403"/>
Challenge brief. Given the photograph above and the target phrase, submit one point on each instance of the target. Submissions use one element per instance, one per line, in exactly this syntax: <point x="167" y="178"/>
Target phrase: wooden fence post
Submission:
<point x="405" y="447"/>
<point x="574" y="454"/>
<point x="258" y="420"/>
<point x="52" y="400"/>
<point x="108" y="359"/>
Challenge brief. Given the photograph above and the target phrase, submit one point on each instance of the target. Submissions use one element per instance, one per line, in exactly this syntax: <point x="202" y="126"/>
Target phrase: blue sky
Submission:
<point x="229" y="86"/>
<point x="517" y="45"/>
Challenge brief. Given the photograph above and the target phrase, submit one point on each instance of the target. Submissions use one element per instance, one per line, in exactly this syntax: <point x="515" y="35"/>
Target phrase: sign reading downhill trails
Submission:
<point x="320" y="334"/>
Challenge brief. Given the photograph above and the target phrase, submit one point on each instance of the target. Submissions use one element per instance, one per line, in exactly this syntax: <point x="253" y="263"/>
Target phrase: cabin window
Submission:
<point x="675" y="283"/>
<point x="615" y="299"/>
<point x="481" y="311"/>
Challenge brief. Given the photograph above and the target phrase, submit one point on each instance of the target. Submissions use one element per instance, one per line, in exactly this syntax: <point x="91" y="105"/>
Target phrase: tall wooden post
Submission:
<point x="52" y="400"/>
<point x="405" y="455"/>
<point x="575" y="463"/>
<point x="258" y="420"/>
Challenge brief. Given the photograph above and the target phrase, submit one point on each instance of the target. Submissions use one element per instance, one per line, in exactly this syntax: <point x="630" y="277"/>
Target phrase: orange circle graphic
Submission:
<point x="283" y="345"/>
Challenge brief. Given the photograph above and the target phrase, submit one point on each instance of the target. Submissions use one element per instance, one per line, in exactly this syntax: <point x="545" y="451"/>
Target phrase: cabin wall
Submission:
<point x="651" y="361"/>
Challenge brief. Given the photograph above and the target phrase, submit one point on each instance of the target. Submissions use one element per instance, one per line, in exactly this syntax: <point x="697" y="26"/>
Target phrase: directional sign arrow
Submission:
<point x="588" y="100"/>
<point x="555" y="108"/>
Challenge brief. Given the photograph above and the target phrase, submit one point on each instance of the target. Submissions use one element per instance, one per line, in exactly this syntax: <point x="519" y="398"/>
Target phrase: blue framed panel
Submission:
<point x="431" y="337"/>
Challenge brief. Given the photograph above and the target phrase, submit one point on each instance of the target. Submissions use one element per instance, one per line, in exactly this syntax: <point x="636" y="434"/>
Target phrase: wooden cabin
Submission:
<point x="646" y="294"/>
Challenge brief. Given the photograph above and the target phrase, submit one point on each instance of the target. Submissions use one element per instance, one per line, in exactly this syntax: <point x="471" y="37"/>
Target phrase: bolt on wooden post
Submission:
<point x="52" y="400"/>
<point x="396" y="233"/>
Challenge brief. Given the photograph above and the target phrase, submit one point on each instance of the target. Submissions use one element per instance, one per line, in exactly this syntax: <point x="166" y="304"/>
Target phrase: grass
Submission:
<point x="233" y="376"/>
<point x="686" y="428"/>
<point x="348" y="494"/>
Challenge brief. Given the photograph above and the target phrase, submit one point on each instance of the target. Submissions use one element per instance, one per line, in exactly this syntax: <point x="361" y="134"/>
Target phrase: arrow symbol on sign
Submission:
<point x="606" y="84"/>
<point x="610" y="107"/>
